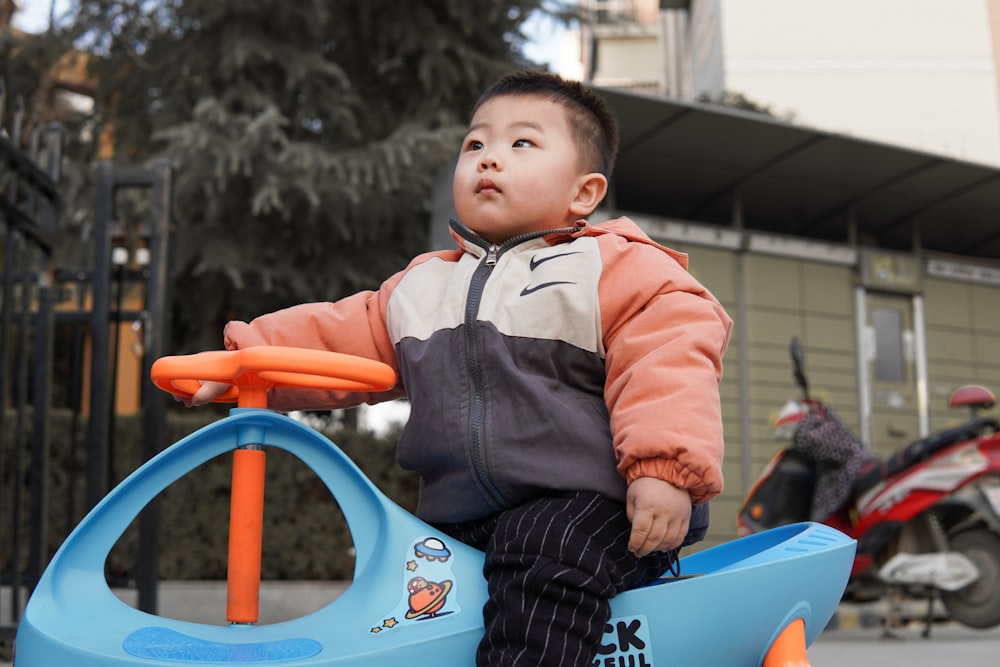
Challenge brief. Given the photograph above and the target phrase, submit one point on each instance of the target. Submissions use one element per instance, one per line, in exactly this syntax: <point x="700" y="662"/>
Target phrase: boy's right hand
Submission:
<point x="205" y="394"/>
<point x="660" y="514"/>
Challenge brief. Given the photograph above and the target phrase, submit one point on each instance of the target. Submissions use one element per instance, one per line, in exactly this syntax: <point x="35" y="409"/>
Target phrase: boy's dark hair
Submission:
<point x="594" y="127"/>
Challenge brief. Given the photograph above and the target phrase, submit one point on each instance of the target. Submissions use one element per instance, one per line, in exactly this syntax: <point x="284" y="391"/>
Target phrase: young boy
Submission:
<point x="563" y="377"/>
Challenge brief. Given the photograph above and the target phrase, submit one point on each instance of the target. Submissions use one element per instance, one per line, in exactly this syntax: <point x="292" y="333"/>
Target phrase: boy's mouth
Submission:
<point x="487" y="186"/>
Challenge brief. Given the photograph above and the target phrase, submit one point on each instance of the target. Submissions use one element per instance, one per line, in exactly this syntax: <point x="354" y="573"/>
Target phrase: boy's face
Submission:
<point x="519" y="170"/>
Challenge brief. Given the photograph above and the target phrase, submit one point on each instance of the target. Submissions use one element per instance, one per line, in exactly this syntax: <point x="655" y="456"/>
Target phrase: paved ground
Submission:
<point x="855" y="637"/>
<point x="948" y="645"/>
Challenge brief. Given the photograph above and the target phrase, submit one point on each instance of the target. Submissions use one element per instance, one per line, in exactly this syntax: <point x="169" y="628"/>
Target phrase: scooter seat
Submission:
<point x="915" y="452"/>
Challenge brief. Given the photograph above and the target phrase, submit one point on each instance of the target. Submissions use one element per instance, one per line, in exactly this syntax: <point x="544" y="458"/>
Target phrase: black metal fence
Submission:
<point x="81" y="307"/>
<point x="29" y="201"/>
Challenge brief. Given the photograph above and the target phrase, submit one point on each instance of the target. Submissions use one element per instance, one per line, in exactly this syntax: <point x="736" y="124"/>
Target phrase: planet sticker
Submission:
<point x="426" y="597"/>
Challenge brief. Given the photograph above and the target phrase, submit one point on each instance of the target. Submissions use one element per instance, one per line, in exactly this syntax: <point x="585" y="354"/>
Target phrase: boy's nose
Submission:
<point x="488" y="161"/>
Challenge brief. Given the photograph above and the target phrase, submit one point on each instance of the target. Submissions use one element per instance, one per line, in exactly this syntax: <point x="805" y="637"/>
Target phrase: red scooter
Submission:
<point x="927" y="519"/>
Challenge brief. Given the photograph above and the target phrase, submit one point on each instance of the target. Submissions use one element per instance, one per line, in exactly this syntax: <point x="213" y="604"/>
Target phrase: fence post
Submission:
<point x="156" y="327"/>
<point x="42" y="398"/>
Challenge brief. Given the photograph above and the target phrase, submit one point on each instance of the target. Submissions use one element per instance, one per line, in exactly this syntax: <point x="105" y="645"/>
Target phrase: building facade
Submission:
<point x="930" y="82"/>
<point x="857" y="257"/>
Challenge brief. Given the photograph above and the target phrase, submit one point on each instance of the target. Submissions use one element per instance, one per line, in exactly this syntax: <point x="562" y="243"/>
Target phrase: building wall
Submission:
<point x="628" y="61"/>
<point x="773" y="298"/>
<point x="625" y="48"/>
<point x="963" y="342"/>
<point x="922" y="74"/>
<point x="916" y="73"/>
<point x="919" y="74"/>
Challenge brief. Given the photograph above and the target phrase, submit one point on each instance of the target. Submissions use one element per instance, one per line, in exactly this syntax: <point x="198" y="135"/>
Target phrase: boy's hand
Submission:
<point x="208" y="391"/>
<point x="660" y="514"/>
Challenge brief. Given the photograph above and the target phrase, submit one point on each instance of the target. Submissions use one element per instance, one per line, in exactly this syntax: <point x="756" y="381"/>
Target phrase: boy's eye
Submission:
<point x="523" y="143"/>
<point x="474" y="145"/>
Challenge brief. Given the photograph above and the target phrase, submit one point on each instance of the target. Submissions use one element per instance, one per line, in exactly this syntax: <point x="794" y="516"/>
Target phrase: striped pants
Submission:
<point x="552" y="566"/>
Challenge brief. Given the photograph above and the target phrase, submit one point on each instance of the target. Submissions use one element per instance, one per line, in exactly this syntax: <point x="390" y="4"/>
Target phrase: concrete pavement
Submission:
<point x="948" y="644"/>
<point x="854" y="638"/>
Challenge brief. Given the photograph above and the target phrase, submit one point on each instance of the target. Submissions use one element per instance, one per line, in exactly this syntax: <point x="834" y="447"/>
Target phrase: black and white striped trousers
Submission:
<point x="552" y="566"/>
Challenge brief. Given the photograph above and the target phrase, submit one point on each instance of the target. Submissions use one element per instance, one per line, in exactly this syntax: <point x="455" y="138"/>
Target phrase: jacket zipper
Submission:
<point x="477" y="425"/>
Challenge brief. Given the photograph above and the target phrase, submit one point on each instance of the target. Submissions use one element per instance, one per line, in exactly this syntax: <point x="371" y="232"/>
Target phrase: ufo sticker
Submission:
<point x="426" y="588"/>
<point x="432" y="549"/>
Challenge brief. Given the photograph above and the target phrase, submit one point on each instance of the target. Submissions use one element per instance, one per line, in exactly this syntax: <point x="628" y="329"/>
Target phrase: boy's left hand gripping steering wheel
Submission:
<point x="254" y="370"/>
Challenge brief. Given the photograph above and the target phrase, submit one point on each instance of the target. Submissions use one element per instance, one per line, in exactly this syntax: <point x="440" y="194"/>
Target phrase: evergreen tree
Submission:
<point x="304" y="135"/>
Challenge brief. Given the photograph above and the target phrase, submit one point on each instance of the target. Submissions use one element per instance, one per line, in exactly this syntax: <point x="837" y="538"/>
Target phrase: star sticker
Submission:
<point x="411" y="565"/>
<point x="376" y="630"/>
<point x="390" y="623"/>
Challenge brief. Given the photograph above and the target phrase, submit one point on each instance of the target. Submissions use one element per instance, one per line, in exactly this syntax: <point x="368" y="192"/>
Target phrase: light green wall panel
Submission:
<point x="952" y="345"/>
<point x="985" y="301"/>
<point x="827" y="289"/>
<point x="833" y="333"/>
<point x="774" y="328"/>
<point x="773" y="282"/>
<point x="986" y="350"/>
<point x="946" y="302"/>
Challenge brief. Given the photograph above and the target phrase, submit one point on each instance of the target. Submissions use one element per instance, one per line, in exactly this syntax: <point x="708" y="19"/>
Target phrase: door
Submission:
<point x="891" y="372"/>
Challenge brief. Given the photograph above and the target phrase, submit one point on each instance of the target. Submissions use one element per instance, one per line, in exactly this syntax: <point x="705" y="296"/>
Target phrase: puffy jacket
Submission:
<point x="574" y="359"/>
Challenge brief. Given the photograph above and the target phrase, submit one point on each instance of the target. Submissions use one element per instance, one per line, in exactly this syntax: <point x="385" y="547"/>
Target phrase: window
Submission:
<point x="888" y="345"/>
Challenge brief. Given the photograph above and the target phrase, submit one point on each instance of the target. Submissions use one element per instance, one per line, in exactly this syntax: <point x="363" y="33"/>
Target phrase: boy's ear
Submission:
<point x="590" y="193"/>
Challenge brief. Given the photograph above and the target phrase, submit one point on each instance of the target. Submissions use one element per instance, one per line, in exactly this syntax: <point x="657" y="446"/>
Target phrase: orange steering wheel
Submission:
<point x="254" y="370"/>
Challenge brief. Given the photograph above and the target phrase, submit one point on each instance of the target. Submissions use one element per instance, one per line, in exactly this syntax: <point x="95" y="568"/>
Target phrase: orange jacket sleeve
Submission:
<point x="665" y="336"/>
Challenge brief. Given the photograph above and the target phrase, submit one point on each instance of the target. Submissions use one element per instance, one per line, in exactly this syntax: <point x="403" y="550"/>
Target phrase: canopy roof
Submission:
<point x="696" y="162"/>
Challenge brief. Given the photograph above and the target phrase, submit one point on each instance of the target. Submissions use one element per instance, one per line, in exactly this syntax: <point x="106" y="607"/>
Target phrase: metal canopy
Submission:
<point x="704" y="163"/>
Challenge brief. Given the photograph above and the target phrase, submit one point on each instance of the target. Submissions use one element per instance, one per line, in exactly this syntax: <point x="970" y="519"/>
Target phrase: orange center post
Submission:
<point x="253" y="372"/>
<point x="246" y="528"/>
<point x="246" y="518"/>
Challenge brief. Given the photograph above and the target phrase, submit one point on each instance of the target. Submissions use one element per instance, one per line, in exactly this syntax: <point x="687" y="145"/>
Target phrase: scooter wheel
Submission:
<point x="978" y="604"/>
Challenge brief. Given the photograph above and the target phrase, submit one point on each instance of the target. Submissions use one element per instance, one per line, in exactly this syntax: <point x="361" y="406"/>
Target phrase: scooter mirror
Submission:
<point x="798" y="366"/>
